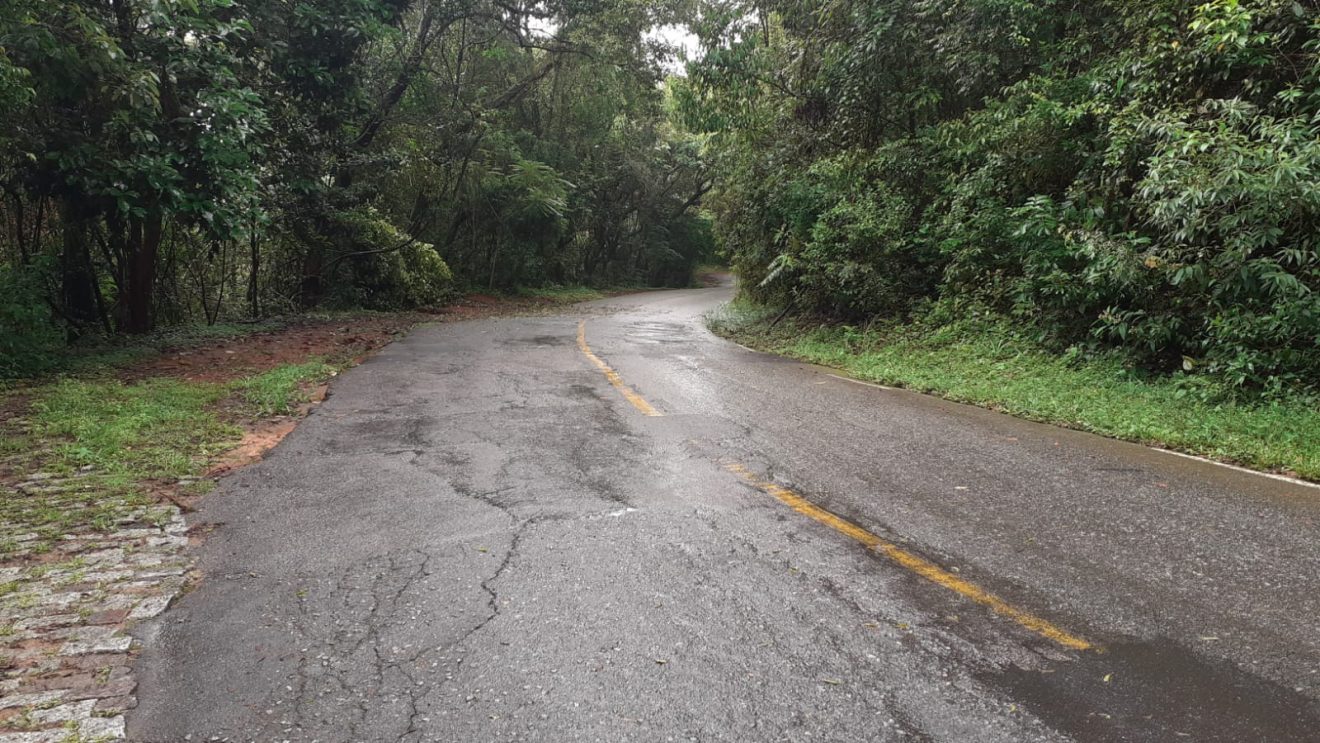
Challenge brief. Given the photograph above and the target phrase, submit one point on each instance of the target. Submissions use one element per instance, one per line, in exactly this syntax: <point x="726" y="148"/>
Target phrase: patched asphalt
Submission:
<point x="477" y="537"/>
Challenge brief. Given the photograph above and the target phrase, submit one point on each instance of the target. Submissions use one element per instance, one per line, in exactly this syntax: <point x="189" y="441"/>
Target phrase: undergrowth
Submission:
<point x="282" y="389"/>
<point x="991" y="364"/>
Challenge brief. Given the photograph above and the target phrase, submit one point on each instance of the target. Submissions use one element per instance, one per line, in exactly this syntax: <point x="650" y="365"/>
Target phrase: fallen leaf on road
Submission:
<point x="833" y="682"/>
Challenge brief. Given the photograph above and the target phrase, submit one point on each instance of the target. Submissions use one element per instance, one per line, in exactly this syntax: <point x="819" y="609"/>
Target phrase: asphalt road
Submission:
<point x="481" y="535"/>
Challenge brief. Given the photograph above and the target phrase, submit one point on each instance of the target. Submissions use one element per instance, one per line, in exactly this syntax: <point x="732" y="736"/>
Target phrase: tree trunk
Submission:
<point x="144" y="242"/>
<point x="254" y="298"/>
<point x="309" y="290"/>
<point x="77" y="280"/>
<point x="20" y="239"/>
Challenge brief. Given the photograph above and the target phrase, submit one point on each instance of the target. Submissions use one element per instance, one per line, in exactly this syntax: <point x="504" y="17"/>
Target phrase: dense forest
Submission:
<point x="1111" y="176"/>
<point x="183" y="161"/>
<point x="1108" y="176"/>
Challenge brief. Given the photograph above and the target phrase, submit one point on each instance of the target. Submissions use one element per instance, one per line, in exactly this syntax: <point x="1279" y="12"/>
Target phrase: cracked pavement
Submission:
<point x="476" y="538"/>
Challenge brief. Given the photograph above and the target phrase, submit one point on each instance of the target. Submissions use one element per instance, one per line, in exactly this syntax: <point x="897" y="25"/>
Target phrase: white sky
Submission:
<point x="675" y="35"/>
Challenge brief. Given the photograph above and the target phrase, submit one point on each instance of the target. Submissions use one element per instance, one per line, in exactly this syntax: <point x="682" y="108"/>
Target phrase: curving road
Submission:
<point x="504" y="530"/>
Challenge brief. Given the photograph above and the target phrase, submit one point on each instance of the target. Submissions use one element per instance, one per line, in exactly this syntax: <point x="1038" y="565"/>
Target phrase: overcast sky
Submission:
<point x="678" y="36"/>
<point x="675" y="35"/>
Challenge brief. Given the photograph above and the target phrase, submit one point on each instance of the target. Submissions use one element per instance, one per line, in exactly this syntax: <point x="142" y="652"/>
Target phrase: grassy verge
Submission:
<point x="281" y="390"/>
<point x="89" y="451"/>
<point x="993" y="367"/>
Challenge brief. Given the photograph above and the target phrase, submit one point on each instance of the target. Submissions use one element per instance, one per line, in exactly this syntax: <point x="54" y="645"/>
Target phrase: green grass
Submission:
<point x="989" y="365"/>
<point x="93" y="442"/>
<point x="152" y="429"/>
<point x="282" y="389"/>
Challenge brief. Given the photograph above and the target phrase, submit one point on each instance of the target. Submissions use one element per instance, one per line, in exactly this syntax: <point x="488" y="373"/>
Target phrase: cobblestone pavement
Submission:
<point x="66" y="607"/>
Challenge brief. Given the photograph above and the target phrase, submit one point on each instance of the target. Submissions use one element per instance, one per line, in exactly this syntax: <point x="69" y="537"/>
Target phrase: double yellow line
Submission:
<point x="908" y="560"/>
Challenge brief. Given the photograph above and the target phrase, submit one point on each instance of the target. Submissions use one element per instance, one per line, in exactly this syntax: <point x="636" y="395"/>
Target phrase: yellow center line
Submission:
<point x="919" y="565"/>
<point x="631" y="396"/>
<point x="908" y="560"/>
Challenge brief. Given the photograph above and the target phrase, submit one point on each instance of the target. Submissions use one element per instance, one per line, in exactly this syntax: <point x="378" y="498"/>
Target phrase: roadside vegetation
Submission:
<point x="185" y="164"/>
<point x="79" y="458"/>
<point x="989" y="363"/>
<point x="282" y="389"/>
<point x="97" y="453"/>
<point x="135" y="423"/>
<point x="1132" y="188"/>
<point x="1114" y="205"/>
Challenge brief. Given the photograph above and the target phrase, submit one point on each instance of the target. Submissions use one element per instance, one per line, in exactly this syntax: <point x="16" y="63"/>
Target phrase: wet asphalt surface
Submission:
<point x="477" y="538"/>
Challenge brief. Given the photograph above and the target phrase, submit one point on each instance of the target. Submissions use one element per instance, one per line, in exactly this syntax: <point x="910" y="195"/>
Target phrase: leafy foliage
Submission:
<point x="175" y="161"/>
<point x="29" y="340"/>
<point x="1112" y="175"/>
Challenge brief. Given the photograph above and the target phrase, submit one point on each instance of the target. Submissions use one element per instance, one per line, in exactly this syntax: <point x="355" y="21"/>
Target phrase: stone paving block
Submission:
<point x="69" y="648"/>
<point x="114" y="643"/>
<point x="80" y="710"/>
<point x="102" y="728"/>
<point x="148" y="608"/>
<point x="112" y="556"/>
<point x="116" y="705"/>
<point x="32" y="700"/>
<point x="120" y="687"/>
<point x="47" y="622"/>
<point x="108" y="576"/>
<point x="43" y="736"/>
<point x="108" y="616"/>
<point x="168" y="540"/>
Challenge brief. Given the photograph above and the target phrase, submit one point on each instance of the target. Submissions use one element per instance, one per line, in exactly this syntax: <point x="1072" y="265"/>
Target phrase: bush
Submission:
<point x="388" y="269"/>
<point x="850" y="243"/>
<point x="30" y="340"/>
<point x="1142" y="178"/>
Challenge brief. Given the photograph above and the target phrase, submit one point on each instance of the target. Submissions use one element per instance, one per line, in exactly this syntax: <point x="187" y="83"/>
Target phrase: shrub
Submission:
<point x="30" y="340"/>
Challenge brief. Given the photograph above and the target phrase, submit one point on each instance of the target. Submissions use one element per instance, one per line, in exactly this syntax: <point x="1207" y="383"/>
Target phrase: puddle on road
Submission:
<point x="659" y="332"/>
<point x="538" y="341"/>
<point x="1158" y="693"/>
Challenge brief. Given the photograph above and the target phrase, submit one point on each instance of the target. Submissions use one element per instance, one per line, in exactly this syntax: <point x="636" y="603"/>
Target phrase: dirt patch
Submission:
<point x="235" y="358"/>
<point x="338" y="341"/>
<point x="346" y="342"/>
<point x="262" y="435"/>
<point x="256" y="442"/>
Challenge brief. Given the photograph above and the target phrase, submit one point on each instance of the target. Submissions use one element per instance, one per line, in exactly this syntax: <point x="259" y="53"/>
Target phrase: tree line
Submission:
<point x="177" y="161"/>
<point x="1104" y="175"/>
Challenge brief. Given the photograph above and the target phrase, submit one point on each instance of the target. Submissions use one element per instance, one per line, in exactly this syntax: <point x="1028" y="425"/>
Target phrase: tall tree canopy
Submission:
<point x="1141" y="175"/>
<point x="179" y="160"/>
